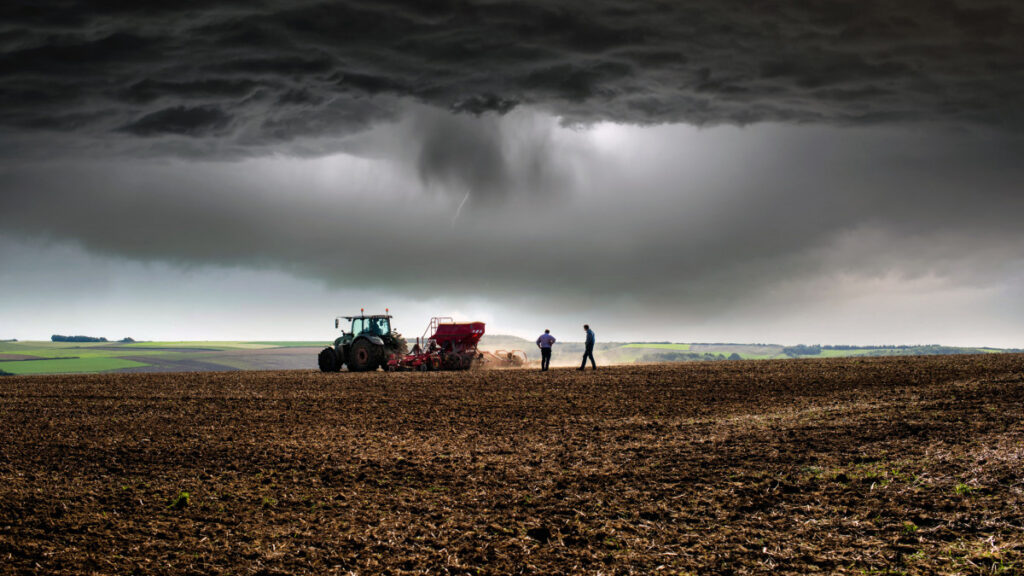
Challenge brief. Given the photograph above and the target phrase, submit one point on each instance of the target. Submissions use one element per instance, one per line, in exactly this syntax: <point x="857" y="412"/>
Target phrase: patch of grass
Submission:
<point x="879" y="474"/>
<point x="983" y="552"/>
<point x="611" y="542"/>
<point x="872" y="471"/>
<point x="69" y="365"/>
<point x="918" y="556"/>
<point x="813" y="471"/>
<point x="1003" y="567"/>
<point x="182" y="500"/>
<point x="962" y="489"/>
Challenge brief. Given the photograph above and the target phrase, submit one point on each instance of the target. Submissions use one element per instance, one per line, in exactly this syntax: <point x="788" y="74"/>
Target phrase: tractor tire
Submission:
<point x="365" y="356"/>
<point x="328" y="360"/>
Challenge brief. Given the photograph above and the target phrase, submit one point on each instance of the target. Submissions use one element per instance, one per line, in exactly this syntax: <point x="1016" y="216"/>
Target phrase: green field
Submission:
<point x="67" y="365"/>
<point x="37" y="357"/>
<point x="58" y="349"/>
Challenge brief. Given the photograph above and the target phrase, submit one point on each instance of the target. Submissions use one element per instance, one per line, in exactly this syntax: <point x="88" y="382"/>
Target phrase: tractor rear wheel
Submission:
<point x="328" y="360"/>
<point x="365" y="356"/>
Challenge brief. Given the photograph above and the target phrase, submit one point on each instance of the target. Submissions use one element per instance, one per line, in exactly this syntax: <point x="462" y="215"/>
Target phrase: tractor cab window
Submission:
<point x="380" y="326"/>
<point x="358" y="325"/>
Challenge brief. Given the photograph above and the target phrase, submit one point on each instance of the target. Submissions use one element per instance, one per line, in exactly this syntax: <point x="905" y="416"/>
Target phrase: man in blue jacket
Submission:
<point x="589" y="352"/>
<point x="545" y="342"/>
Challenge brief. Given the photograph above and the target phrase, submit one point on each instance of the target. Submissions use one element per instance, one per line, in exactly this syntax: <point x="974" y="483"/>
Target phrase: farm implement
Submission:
<point x="445" y="345"/>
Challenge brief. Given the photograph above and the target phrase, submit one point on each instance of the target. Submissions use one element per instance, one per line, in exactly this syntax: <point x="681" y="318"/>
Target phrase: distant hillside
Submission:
<point x="503" y="342"/>
<point x="731" y="351"/>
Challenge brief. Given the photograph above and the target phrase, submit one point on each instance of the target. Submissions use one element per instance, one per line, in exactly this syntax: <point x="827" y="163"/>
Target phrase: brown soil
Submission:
<point x="16" y="357"/>
<point x="846" y="466"/>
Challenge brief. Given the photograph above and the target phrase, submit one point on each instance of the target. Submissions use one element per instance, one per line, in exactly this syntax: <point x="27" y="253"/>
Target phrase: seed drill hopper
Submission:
<point x="445" y="345"/>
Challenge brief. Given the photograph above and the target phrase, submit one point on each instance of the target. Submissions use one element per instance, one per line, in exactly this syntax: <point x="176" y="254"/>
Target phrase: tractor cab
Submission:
<point x="375" y="325"/>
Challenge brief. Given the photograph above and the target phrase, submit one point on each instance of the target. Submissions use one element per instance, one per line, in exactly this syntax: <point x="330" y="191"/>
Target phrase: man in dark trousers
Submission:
<point x="589" y="352"/>
<point x="545" y="342"/>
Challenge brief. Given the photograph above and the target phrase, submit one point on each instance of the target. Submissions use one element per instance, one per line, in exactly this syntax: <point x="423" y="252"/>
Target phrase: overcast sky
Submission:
<point x="843" y="173"/>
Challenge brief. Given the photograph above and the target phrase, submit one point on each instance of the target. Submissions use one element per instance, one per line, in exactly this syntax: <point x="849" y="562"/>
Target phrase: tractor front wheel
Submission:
<point x="365" y="356"/>
<point x="328" y="360"/>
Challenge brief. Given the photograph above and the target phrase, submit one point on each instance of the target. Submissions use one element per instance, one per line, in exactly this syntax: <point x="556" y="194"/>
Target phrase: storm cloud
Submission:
<point x="262" y="73"/>
<point x="691" y="216"/>
<point x="703" y="160"/>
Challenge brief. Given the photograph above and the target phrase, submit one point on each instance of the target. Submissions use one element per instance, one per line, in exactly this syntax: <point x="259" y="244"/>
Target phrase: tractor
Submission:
<point x="368" y="344"/>
<point x="445" y="345"/>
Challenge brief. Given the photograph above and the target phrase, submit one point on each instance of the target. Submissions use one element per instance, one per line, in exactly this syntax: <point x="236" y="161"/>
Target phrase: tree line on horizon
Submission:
<point x="80" y="338"/>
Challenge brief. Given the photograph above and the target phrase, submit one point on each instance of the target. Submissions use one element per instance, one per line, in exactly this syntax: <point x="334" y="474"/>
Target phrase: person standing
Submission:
<point x="545" y="342"/>
<point x="589" y="351"/>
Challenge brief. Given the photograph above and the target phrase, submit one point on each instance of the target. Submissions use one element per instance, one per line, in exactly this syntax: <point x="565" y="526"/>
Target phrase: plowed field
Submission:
<point x="871" y="466"/>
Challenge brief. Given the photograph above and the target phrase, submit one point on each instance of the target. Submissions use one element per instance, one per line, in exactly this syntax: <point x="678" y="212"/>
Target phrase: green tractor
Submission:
<point x="366" y="347"/>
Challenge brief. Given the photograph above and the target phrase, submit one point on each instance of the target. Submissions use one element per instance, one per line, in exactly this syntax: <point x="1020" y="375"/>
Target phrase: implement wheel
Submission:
<point x="365" y="356"/>
<point x="328" y="360"/>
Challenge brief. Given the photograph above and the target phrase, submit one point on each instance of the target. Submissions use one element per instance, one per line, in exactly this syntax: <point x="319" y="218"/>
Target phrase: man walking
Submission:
<point x="545" y="342"/>
<point x="589" y="352"/>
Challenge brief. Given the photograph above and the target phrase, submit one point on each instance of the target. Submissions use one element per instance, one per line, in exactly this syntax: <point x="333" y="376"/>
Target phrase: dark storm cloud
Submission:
<point x="666" y="219"/>
<point x="288" y="70"/>
<point x="184" y="132"/>
<point x="197" y="121"/>
<point x="490" y="157"/>
<point x="149" y="90"/>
